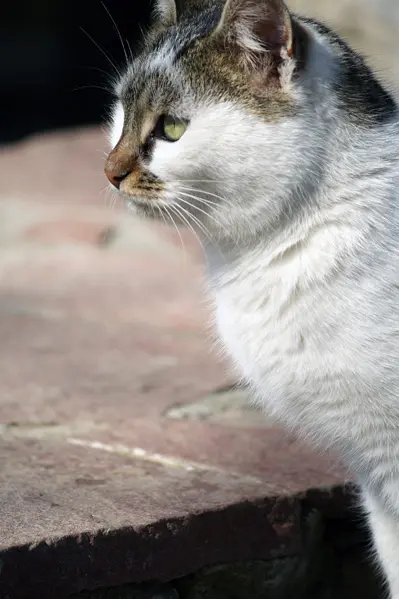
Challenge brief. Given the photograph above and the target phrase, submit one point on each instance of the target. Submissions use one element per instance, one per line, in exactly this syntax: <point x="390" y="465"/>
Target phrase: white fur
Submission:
<point x="163" y="59"/>
<point x="385" y="528"/>
<point x="165" y="11"/>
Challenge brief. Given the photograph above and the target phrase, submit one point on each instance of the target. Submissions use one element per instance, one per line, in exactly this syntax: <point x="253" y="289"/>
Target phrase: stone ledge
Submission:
<point x="84" y="516"/>
<point x="77" y="519"/>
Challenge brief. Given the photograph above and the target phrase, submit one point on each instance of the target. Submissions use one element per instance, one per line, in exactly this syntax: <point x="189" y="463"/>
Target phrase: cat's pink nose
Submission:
<point x="116" y="177"/>
<point x="120" y="163"/>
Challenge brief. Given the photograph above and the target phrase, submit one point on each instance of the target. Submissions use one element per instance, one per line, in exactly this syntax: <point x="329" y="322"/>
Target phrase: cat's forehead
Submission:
<point x="155" y="78"/>
<point x="161" y="71"/>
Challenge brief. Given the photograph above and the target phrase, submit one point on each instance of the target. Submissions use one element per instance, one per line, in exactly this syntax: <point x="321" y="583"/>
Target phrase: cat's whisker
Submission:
<point x="101" y="87"/>
<point x="117" y="31"/>
<point x="215" y="220"/>
<point x="103" y="191"/>
<point x="206" y="203"/>
<point x="110" y="79"/>
<point x="110" y="201"/>
<point x="197" y="208"/>
<point x="103" y="52"/>
<point x="225" y="200"/>
<point x="175" y="226"/>
<point x="235" y="240"/>
<point x="130" y="49"/>
<point x="110" y="197"/>
<point x="203" y="229"/>
<point x="177" y="210"/>
<point x="141" y="29"/>
<point x="203" y="200"/>
<point x="96" y="69"/>
<point x="197" y="181"/>
<point x="181" y="193"/>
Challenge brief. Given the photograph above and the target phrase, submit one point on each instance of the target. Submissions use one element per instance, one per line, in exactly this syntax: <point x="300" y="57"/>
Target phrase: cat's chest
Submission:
<point x="296" y="328"/>
<point x="264" y="331"/>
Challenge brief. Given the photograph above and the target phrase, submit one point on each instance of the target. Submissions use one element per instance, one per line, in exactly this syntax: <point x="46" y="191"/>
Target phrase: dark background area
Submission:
<point x="50" y="71"/>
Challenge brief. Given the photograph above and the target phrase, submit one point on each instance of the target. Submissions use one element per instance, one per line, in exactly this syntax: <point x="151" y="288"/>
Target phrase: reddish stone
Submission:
<point x="75" y="518"/>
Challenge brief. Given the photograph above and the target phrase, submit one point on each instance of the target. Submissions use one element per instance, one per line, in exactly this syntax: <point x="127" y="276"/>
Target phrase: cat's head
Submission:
<point x="223" y="113"/>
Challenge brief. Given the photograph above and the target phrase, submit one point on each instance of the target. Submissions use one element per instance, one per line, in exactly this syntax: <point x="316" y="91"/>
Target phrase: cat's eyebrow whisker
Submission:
<point x="130" y="49"/>
<point x="96" y="69"/>
<point x="110" y="79"/>
<point x="117" y="31"/>
<point x="101" y="87"/>
<point x="103" y="52"/>
<point x="143" y="33"/>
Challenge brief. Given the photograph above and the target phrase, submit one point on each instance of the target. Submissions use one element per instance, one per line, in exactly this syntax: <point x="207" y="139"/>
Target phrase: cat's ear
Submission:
<point x="258" y="26"/>
<point x="165" y="12"/>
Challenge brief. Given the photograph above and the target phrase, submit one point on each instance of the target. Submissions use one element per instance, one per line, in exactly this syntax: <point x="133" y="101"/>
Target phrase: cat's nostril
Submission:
<point x="116" y="177"/>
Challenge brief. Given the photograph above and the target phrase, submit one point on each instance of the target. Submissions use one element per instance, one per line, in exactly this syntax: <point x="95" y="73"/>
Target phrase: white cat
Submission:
<point x="266" y="133"/>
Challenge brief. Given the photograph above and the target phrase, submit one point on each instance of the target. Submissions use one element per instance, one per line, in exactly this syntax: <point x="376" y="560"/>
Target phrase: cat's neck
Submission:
<point x="352" y="213"/>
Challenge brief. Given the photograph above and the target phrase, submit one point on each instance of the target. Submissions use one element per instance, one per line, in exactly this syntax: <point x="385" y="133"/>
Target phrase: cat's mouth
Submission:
<point x="146" y="198"/>
<point x="128" y="177"/>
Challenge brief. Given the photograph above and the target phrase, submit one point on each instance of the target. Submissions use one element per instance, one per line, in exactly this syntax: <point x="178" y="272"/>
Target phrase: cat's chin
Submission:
<point x="145" y="208"/>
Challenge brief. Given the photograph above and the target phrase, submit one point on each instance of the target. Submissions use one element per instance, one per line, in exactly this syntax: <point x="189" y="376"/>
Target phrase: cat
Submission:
<point x="268" y="136"/>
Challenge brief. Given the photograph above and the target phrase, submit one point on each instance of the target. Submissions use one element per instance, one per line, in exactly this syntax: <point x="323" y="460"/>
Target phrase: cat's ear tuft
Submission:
<point x="258" y="26"/>
<point x="165" y="12"/>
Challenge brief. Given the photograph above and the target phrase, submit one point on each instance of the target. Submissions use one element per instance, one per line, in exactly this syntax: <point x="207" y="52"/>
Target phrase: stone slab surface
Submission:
<point x="125" y="455"/>
<point x="75" y="518"/>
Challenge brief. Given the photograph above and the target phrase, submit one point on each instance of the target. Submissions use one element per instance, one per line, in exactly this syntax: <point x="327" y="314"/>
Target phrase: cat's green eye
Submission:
<point x="170" y="128"/>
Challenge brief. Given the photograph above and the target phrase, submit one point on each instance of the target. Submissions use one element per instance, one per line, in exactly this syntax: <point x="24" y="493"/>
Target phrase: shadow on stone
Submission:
<point x="332" y="565"/>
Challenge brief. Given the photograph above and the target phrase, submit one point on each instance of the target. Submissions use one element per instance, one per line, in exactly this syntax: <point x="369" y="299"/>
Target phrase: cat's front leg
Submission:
<point x="384" y="522"/>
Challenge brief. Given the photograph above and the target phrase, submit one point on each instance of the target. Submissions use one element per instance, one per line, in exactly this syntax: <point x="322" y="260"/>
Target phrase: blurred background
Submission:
<point x="49" y="66"/>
